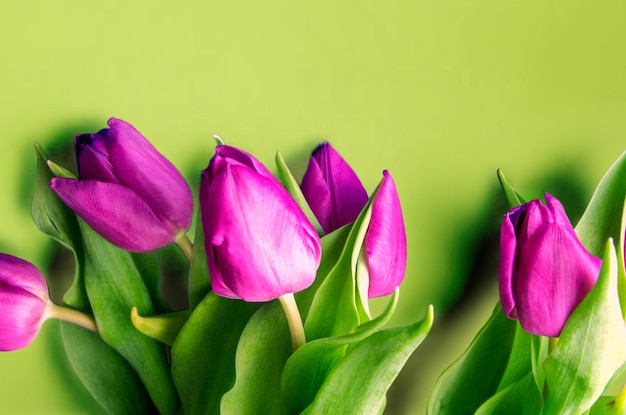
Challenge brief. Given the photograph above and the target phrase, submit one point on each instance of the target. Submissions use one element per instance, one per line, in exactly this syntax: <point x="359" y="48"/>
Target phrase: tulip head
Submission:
<point x="332" y="189"/>
<point x="544" y="270"/>
<point x="24" y="299"/>
<point x="385" y="240"/>
<point x="259" y="244"/>
<point x="127" y="191"/>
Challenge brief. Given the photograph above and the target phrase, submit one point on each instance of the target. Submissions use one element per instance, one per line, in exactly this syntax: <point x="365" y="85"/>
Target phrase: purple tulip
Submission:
<point x="336" y="197"/>
<point x="385" y="240"/>
<point x="259" y="244"/>
<point x="127" y="191"/>
<point x="332" y="189"/>
<point x="544" y="271"/>
<point x="24" y="301"/>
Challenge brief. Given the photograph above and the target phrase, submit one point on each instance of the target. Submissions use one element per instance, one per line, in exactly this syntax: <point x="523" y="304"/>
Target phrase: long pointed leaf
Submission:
<point x="366" y="372"/>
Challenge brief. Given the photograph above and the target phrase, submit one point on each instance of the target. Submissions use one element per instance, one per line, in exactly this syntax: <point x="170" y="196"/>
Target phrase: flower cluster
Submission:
<point x="258" y="239"/>
<point x="274" y="259"/>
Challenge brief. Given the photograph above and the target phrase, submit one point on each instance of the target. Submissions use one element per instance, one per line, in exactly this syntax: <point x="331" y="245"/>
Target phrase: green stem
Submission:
<point x="185" y="245"/>
<point x="293" y="320"/>
<point x="552" y="342"/>
<point x="72" y="316"/>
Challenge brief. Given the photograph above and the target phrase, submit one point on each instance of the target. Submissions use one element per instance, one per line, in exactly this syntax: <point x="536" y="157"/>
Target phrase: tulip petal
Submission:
<point x="16" y="272"/>
<point x="385" y="241"/>
<point x="24" y="296"/>
<point x="93" y="158"/>
<point x="332" y="189"/>
<point x="232" y="156"/>
<point x="115" y="212"/>
<point x="139" y="166"/>
<point x="22" y="316"/>
<point x="554" y="274"/>
<point x="506" y="266"/>
<point x="259" y="243"/>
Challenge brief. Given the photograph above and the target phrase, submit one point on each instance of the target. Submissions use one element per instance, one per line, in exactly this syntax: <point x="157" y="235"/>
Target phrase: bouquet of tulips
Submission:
<point x="279" y="281"/>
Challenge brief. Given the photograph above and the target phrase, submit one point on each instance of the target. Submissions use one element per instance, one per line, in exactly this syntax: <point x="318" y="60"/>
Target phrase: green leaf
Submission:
<point x="203" y="354"/>
<point x="114" y="286"/>
<point x="262" y="352"/>
<point x="512" y="197"/>
<point x="163" y="328"/>
<point x="602" y="217"/>
<point x="290" y="183"/>
<point x="358" y="384"/>
<point x="610" y="405"/>
<point x="520" y="359"/>
<point x="148" y="266"/>
<point x="519" y="398"/>
<point x="308" y="367"/>
<point x="199" y="279"/>
<point x="108" y="377"/>
<point x="332" y="249"/>
<point x="334" y="309"/>
<point x="590" y="348"/>
<point x="482" y="366"/>
<point x="49" y="213"/>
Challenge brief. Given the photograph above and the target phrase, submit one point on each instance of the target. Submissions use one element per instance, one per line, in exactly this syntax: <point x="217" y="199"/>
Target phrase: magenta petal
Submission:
<point x="317" y="194"/>
<point x="544" y="271"/>
<point x="332" y="189"/>
<point x="385" y="241"/>
<point x="116" y="213"/>
<point x="140" y="167"/>
<point x="22" y="316"/>
<point x="24" y="297"/>
<point x="506" y="267"/>
<point x="259" y="243"/>
<point x="93" y="158"/>
<point x="227" y="155"/>
<point x="555" y="275"/>
<point x="21" y="274"/>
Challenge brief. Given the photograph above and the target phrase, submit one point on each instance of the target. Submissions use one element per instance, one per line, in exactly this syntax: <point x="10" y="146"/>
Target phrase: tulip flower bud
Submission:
<point x="23" y="302"/>
<point x="127" y="191"/>
<point x="259" y="244"/>
<point x="385" y="240"/>
<point x="332" y="189"/>
<point x="544" y="271"/>
<point x="336" y="197"/>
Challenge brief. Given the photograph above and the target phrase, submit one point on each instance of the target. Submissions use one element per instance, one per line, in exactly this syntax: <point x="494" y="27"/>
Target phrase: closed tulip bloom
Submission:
<point x="23" y="302"/>
<point x="127" y="191"/>
<point x="259" y="244"/>
<point x="544" y="271"/>
<point x="332" y="189"/>
<point x="385" y="240"/>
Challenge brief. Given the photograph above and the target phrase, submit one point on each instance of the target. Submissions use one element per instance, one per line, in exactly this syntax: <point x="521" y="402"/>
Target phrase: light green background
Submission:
<point x="441" y="93"/>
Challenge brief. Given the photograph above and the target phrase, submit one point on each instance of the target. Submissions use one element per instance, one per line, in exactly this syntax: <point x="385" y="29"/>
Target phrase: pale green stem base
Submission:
<point x="293" y="320"/>
<point x="552" y="342"/>
<point x="185" y="245"/>
<point x="72" y="316"/>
